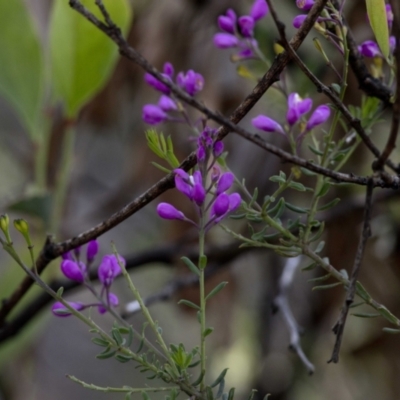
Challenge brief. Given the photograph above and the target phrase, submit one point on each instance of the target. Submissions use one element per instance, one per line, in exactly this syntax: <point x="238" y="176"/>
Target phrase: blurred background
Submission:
<point x="110" y="165"/>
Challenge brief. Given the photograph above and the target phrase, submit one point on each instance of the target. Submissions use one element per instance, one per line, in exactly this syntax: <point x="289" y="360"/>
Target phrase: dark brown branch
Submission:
<point x="353" y="122"/>
<point x="391" y="142"/>
<point x="52" y="250"/>
<point x="338" y="329"/>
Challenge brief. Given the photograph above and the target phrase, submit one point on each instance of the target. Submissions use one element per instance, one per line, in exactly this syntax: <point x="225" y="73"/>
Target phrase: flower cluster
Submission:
<point x="75" y="269"/>
<point x="191" y="82"/>
<point x="297" y="108"/>
<point x="370" y="48"/>
<point x="238" y="33"/>
<point x="195" y="188"/>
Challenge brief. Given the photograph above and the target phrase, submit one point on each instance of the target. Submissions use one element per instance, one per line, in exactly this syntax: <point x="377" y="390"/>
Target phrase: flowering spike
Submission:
<point x="167" y="211"/>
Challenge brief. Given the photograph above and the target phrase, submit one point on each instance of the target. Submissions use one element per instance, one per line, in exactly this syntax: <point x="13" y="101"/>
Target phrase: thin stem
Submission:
<point x="202" y="266"/>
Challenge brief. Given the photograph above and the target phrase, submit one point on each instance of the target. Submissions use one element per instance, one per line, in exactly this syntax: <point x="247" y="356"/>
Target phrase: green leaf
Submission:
<point x="376" y="10"/>
<point x="189" y="263"/>
<point x="189" y="304"/>
<point x="216" y="290"/>
<point x="324" y="287"/>
<point x="220" y="377"/>
<point x="82" y="57"/>
<point x="21" y="66"/>
<point x="107" y="353"/>
<point x="122" y="358"/>
<point x="365" y="315"/>
<point x="100" y="342"/>
<point x="296" y="209"/>
<point x="329" y="205"/>
<point x="277" y="179"/>
<point x="208" y="331"/>
<point x="297" y="186"/>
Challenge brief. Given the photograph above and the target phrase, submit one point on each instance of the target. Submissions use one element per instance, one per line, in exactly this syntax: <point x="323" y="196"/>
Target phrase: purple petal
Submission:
<point x="246" y="26"/>
<point x="319" y="116"/>
<point x="225" y="182"/>
<point x="392" y="43"/>
<point x="297" y="107"/>
<point x="298" y="20"/>
<point x="73" y="270"/>
<point x="109" y="269"/>
<point x="225" y="40"/>
<point x="166" y="103"/>
<point x="226" y="24"/>
<point x="182" y="180"/>
<point x="215" y="173"/>
<point x="201" y="153"/>
<point x="167" y="211"/>
<point x="168" y="69"/>
<point x="259" y="9"/>
<point x="153" y="115"/>
<point x="221" y="205"/>
<point x="193" y="82"/>
<point x="199" y="194"/>
<point x="218" y="148"/>
<point x="67" y="256"/>
<point x="92" y="250"/>
<point x="234" y="201"/>
<point x="112" y="300"/>
<point x="59" y="310"/>
<point x="305" y="4"/>
<point x="266" y="124"/>
<point x="156" y="84"/>
<point x="369" y="49"/>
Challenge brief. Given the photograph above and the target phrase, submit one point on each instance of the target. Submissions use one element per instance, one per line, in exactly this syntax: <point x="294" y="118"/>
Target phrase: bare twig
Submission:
<point x="391" y="142"/>
<point x="338" y="329"/>
<point x="281" y="302"/>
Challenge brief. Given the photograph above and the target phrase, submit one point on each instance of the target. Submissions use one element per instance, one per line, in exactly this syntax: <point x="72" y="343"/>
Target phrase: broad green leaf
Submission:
<point x="82" y="57"/>
<point x="21" y="65"/>
<point x="376" y="10"/>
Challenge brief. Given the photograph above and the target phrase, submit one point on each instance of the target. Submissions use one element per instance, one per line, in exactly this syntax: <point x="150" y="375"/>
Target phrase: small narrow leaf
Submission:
<point x="220" y="377"/>
<point x="189" y="304"/>
<point x="217" y="289"/>
<point x="366" y="315"/>
<point x="329" y="205"/>
<point x="189" y="263"/>
<point x="296" y="209"/>
<point x="208" y="331"/>
<point x="391" y="330"/>
<point x="325" y="287"/>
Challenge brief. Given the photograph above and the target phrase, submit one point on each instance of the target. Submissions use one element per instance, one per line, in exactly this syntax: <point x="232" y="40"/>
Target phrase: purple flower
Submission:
<point x="167" y="211"/>
<point x="221" y="205"/>
<point x="392" y="43"/>
<point x="298" y="20"/>
<point x="67" y="256"/>
<point x="227" y="23"/>
<point x="259" y="9"/>
<point x="218" y="148"/>
<point x="182" y="182"/>
<point x="305" y="4"/>
<point x="166" y="103"/>
<point x="369" y="49"/>
<point x="109" y="269"/>
<point x="153" y="115"/>
<point x="216" y="173"/>
<point x="200" y="153"/>
<point x="297" y="107"/>
<point x="156" y="84"/>
<point x="59" y="310"/>
<point x="225" y="40"/>
<point x="234" y="201"/>
<point x="246" y="26"/>
<point x="92" y="250"/>
<point x="225" y="182"/>
<point x="74" y="271"/>
<point x="192" y="82"/>
<point x="267" y="124"/>
<point x="389" y="15"/>
<point x="168" y="70"/>
<point x="199" y="194"/>
<point x="113" y="301"/>
<point x="318" y="117"/>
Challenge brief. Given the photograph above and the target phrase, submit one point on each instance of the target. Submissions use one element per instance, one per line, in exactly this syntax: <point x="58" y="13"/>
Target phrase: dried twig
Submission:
<point x="281" y="302"/>
<point x="338" y="329"/>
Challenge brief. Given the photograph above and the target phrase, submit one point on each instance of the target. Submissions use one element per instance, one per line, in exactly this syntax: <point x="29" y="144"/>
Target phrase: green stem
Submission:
<point x="41" y="158"/>
<point x="202" y="266"/>
<point x="63" y="175"/>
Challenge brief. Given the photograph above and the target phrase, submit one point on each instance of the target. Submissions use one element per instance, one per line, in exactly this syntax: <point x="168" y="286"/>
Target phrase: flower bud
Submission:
<point x="167" y="211"/>
<point x="153" y="115"/>
<point x="4" y="226"/>
<point x="267" y="124"/>
<point x="221" y="205"/>
<point x="225" y="182"/>
<point x="246" y="26"/>
<point x="225" y="40"/>
<point x="319" y="116"/>
<point x="259" y="9"/>
<point x="74" y="271"/>
<point x="59" y="310"/>
<point x="92" y="250"/>
<point x="22" y="226"/>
